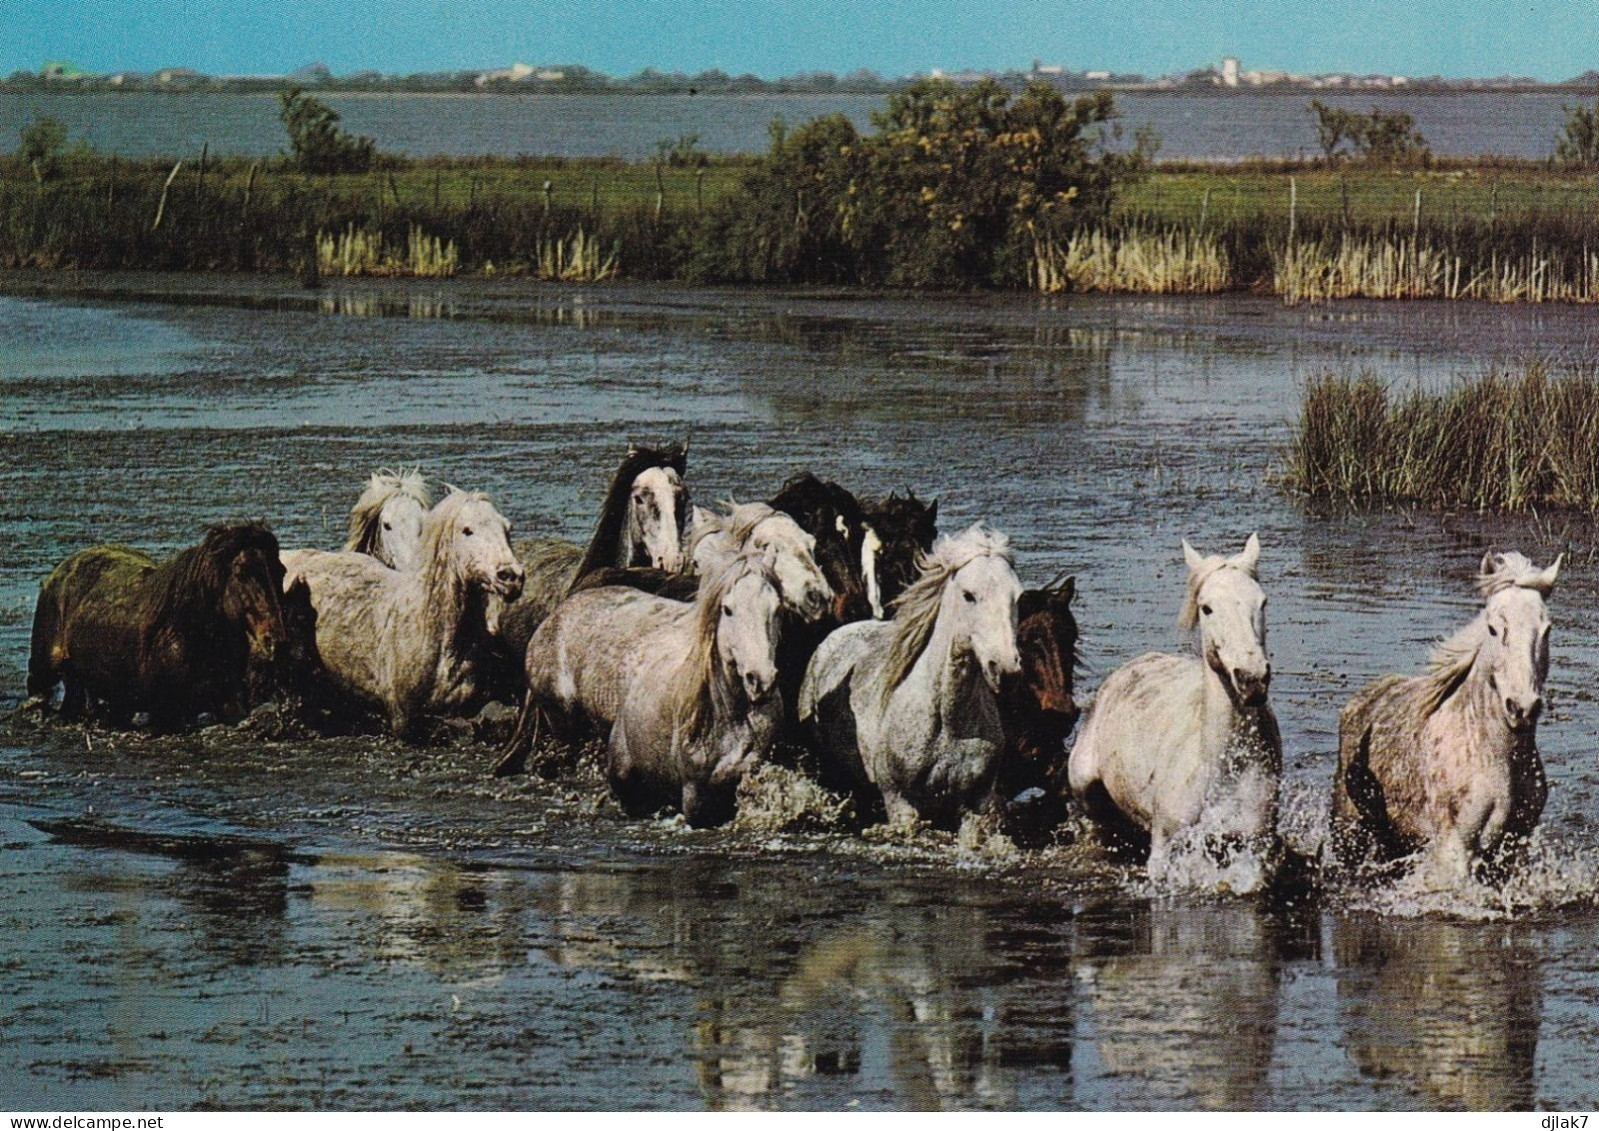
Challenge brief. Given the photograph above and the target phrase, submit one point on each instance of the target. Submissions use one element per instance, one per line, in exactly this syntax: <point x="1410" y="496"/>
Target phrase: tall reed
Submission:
<point x="1134" y="261"/>
<point x="1502" y="441"/>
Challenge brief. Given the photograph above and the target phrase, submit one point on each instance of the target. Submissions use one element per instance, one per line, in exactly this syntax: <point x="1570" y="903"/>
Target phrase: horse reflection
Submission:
<point x="933" y="1006"/>
<point x="1449" y="1010"/>
<point x="1185" y="1006"/>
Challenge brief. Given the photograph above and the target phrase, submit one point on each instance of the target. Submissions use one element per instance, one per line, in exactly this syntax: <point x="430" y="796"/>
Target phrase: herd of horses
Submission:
<point x="909" y="669"/>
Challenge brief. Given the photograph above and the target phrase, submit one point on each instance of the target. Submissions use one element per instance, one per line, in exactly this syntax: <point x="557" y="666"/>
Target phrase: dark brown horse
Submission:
<point x="1038" y="711"/>
<point x="176" y="640"/>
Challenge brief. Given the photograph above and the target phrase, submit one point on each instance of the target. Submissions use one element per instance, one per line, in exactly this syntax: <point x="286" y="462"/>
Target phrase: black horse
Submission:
<point x="905" y="528"/>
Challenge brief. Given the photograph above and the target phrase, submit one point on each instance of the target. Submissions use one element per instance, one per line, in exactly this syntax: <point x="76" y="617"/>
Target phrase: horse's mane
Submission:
<point x="738" y="524"/>
<point x="602" y="548"/>
<point x="896" y="513"/>
<point x="365" y="529"/>
<point x="803" y="494"/>
<point x="1188" y="617"/>
<point x="1450" y="660"/>
<point x="916" y="609"/>
<point x="690" y="685"/>
<point x="185" y="592"/>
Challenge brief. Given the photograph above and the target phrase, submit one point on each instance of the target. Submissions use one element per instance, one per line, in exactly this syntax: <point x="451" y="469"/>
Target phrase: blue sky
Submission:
<point x="1547" y="40"/>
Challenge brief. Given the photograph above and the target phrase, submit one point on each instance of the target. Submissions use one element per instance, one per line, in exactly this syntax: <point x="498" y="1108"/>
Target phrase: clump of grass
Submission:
<point x="1136" y="261"/>
<point x="577" y="259"/>
<point x="361" y="251"/>
<point x="1502" y="441"/>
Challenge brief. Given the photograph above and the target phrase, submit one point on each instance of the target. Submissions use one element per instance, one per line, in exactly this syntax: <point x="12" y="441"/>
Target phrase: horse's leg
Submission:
<point x="74" y="698"/>
<point x="707" y="806"/>
<point x="900" y="812"/>
<point x="513" y="755"/>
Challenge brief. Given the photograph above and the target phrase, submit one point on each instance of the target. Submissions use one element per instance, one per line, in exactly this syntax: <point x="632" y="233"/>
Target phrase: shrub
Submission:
<point x="43" y="142"/>
<point x="1578" y="143"/>
<point x="317" y="142"/>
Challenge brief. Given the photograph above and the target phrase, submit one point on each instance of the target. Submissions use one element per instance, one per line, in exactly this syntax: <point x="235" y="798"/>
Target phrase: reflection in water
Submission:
<point x="1449" y="1009"/>
<point x="1185" y="1003"/>
<point x="379" y="306"/>
<point x="428" y="912"/>
<point x="931" y="1004"/>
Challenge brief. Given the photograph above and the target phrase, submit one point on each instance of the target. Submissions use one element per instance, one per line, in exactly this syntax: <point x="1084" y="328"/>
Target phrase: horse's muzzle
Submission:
<point x="1251" y="688"/>
<point x="508" y="582"/>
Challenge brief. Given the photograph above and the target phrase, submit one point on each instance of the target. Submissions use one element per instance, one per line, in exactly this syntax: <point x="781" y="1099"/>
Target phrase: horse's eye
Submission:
<point x="727" y="610"/>
<point x="467" y="531"/>
<point x="971" y="598"/>
<point x="1205" y="609"/>
<point x="1492" y="631"/>
<point x="388" y="526"/>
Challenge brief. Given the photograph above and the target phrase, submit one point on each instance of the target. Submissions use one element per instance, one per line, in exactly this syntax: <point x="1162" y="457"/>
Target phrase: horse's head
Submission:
<point x="1228" y="605"/>
<point x="467" y="538"/>
<point x="656" y="512"/>
<point x="1515" y="649"/>
<point x="904" y="529"/>
<point x="835" y="520"/>
<point x="386" y="521"/>
<point x="979" y="604"/>
<point x="399" y="538"/>
<point x="788" y="552"/>
<point x="252" y="599"/>
<point x="1046" y="636"/>
<point x="747" y="625"/>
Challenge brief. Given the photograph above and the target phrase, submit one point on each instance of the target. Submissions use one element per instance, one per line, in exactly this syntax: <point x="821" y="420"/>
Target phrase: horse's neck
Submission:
<point x="1219" y="715"/>
<point x="450" y="610"/>
<point x="946" y="681"/>
<point x="1473" y="711"/>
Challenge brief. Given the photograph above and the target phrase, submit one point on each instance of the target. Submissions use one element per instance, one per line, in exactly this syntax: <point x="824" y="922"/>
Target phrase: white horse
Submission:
<point x="386" y="521"/>
<point x="1447" y="763"/>
<point x="1187" y="745"/>
<point x="910" y="705"/>
<point x="640" y="524"/>
<point x="414" y="642"/>
<point x="714" y="540"/>
<point x="687" y="692"/>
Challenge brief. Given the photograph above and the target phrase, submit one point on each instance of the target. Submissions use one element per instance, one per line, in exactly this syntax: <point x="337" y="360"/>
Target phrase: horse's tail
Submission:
<point x="42" y="673"/>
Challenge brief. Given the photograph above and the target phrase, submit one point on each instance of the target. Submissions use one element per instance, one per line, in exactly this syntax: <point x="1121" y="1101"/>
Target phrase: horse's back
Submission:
<point x="834" y="660"/>
<point x="352" y="596"/>
<point x="1132" y="719"/>
<point x="581" y="658"/>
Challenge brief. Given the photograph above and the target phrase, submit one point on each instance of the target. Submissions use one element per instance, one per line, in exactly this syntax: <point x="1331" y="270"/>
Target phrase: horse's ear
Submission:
<point x="1193" y="557"/>
<point x="632" y="449"/>
<point x="1490" y="564"/>
<point x="1250" y="557"/>
<point x="1546" y="579"/>
<point x="932" y="511"/>
<point x="1068" y="589"/>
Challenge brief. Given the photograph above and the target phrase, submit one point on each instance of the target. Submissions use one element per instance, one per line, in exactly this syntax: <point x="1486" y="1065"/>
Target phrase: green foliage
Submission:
<point x="951" y="190"/>
<point x="1384" y="137"/>
<point x="317" y="142"/>
<point x="43" y="142"/>
<point x="1578" y="143"/>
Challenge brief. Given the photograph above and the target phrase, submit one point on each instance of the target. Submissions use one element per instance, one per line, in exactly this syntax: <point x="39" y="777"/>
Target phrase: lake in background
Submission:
<point x="1204" y="126"/>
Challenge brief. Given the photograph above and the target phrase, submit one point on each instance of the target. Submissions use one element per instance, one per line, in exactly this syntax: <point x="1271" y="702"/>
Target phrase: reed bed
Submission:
<point x="1508" y="441"/>
<point x="577" y="259"/>
<point x="1401" y="268"/>
<point x="1173" y="261"/>
<point x="361" y="251"/>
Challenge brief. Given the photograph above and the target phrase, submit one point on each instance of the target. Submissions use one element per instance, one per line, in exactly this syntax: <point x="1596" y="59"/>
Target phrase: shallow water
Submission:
<point x="437" y="938"/>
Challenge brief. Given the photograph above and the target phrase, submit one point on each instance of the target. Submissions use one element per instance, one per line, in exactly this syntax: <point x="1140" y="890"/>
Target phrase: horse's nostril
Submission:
<point x="1512" y="708"/>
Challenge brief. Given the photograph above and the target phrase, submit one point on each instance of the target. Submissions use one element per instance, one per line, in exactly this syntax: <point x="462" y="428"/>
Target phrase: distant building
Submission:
<point x="1229" y="72"/>
<point x="60" y="71"/>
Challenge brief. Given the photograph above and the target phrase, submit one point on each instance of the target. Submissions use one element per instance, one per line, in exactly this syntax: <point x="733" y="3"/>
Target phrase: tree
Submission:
<point x="1385" y="137"/>
<point x="1578" y="142"/>
<point x="317" y="142"/>
<point x="43" y="142"/>
<point x="1334" y="127"/>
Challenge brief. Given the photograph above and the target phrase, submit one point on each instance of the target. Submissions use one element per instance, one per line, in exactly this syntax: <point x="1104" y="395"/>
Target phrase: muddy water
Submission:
<point x="419" y="934"/>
